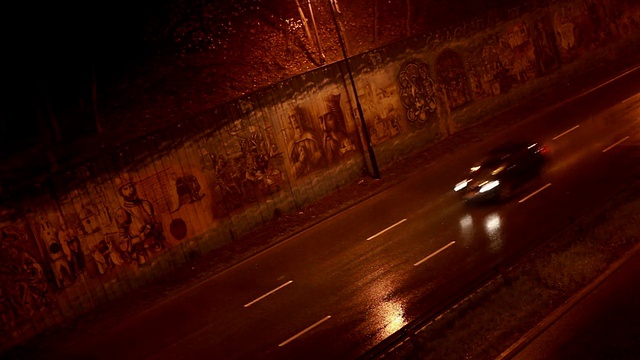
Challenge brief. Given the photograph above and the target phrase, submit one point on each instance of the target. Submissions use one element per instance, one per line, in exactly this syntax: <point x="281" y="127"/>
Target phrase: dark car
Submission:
<point x="504" y="170"/>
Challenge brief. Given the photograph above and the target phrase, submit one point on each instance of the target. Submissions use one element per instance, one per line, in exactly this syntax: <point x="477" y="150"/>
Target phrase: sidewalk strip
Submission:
<point x="387" y="229"/>
<point x="305" y="330"/>
<point x="533" y="193"/>
<point x="610" y="147"/>
<point x="434" y="254"/>
<point x="269" y="293"/>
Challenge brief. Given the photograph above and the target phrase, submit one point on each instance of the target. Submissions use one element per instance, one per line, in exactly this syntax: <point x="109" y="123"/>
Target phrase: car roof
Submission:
<point x="502" y="152"/>
<point x="511" y="147"/>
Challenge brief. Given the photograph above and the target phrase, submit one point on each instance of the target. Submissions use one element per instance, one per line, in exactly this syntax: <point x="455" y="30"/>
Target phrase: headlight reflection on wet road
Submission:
<point x="393" y="314"/>
<point x="466" y="228"/>
<point x="491" y="226"/>
<point x="388" y="313"/>
<point x="493" y="231"/>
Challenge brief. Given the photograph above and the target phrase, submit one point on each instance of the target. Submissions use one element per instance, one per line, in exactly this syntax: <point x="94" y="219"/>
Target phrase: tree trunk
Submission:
<point x="323" y="60"/>
<point x="408" y="17"/>
<point x="94" y="100"/>
<point x="304" y="22"/>
<point x="375" y="21"/>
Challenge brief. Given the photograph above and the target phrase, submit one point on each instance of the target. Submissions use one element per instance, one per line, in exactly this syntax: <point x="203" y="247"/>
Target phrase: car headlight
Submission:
<point x="489" y="185"/>
<point x="461" y="185"/>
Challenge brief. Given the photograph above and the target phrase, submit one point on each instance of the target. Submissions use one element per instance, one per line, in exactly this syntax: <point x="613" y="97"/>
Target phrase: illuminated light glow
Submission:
<point x="475" y="168"/>
<point x="304" y="331"/>
<point x="534" y="193"/>
<point x="466" y="227"/>
<point x="611" y="147"/>
<point x="388" y="312"/>
<point x="435" y="253"/>
<point x="566" y="132"/>
<point x="269" y="293"/>
<point x="498" y="170"/>
<point x="461" y="185"/>
<point x="492" y="223"/>
<point x="466" y="222"/>
<point x="387" y="229"/>
<point x="489" y="185"/>
<point x="543" y="150"/>
<point x="393" y="315"/>
<point x="532" y="146"/>
<point x="492" y="228"/>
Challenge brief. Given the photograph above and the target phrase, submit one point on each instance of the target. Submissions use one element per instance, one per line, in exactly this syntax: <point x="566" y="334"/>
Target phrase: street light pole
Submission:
<point x="367" y="137"/>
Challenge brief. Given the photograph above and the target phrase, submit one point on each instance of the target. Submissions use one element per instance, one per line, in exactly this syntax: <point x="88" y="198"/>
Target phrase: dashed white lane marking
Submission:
<point x="269" y="293"/>
<point x="612" y="80"/>
<point x="566" y="132"/>
<point x="611" y="147"/>
<point x="304" y="331"/>
<point x="387" y="229"/>
<point x="534" y="193"/>
<point x="434" y="254"/>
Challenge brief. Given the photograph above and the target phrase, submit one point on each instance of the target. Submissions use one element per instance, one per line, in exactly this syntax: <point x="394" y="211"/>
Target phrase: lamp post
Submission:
<point x="367" y="137"/>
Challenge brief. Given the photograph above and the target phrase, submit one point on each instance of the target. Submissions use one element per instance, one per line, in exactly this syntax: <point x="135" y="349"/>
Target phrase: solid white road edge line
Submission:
<point x="305" y="330"/>
<point x="533" y="193"/>
<point x="566" y="132"/>
<point x="387" y="229"/>
<point x="269" y="293"/>
<point x="434" y="254"/>
<point x="611" y="147"/>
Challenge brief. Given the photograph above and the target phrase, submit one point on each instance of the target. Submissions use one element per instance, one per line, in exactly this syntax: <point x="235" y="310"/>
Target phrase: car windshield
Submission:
<point x="489" y="168"/>
<point x="489" y="164"/>
<point x="498" y="155"/>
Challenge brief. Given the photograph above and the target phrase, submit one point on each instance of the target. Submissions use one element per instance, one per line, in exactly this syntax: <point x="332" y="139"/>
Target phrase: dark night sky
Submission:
<point x="56" y="37"/>
<point x="51" y="48"/>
